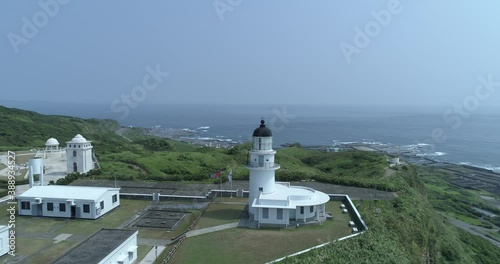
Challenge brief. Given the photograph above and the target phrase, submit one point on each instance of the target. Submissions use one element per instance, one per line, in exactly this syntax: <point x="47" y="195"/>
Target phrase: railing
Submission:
<point x="266" y="165"/>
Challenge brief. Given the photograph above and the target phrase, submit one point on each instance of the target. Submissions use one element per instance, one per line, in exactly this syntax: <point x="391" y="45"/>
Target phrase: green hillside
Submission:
<point x="21" y="128"/>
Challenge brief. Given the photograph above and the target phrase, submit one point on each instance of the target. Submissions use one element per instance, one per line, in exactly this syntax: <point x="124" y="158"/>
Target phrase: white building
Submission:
<point x="51" y="145"/>
<point x="275" y="203"/>
<point x="79" y="155"/>
<point x="117" y="246"/>
<point x="68" y="201"/>
<point x="4" y="240"/>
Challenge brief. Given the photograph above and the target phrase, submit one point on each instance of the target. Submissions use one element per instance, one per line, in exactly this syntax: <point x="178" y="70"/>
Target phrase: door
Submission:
<point x="73" y="211"/>
<point x="38" y="210"/>
<point x="261" y="161"/>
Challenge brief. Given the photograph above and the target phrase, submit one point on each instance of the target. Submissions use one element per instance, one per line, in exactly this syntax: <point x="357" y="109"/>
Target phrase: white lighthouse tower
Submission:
<point x="277" y="203"/>
<point x="261" y="164"/>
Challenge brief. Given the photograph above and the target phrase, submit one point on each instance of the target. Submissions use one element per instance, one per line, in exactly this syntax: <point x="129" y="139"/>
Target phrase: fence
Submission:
<point x="353" y="213"/>
<point x="180" y="238"/>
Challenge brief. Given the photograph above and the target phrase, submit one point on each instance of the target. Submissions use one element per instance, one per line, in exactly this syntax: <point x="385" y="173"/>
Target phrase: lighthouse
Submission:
<point x="277" y="203"/>
<point x="261" y="164"/>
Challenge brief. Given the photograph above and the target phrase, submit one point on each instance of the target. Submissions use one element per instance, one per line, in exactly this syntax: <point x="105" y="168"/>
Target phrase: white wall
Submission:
<point x="83" y="157"/>
<point x="122" y="252"/>
<point x="94" y="205"/>
<point x="272" y="217"/>
<point x="259" y="178"/>
<point x="108" y="202"/>
<point x="307" y="212"/>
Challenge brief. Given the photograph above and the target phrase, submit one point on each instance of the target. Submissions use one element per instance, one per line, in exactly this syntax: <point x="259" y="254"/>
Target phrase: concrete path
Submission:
<point x="211" y="229"/>
<point x="151" y="256"/>
<point x="153" y="242"/>
<point x="472" y="229"/>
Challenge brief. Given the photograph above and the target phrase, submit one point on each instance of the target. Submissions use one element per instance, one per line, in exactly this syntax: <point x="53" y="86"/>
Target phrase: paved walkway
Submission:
<point x="151" y="256"/>
<point x="211" y="229"/>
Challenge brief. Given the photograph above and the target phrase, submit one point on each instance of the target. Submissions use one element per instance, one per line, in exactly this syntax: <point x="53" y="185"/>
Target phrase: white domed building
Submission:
<point x="79" y="155"/>
<point x="51" y="145"/>
<point x="277" y="203"/>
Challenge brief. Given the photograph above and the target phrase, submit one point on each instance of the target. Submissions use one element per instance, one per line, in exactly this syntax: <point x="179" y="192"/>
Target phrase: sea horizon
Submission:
<point x="394" y="128"/>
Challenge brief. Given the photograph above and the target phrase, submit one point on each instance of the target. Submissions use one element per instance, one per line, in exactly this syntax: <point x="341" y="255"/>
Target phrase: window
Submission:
<point x="102" y="205"/>
<point x="75" y="167"/>
<point x="130" y="255"/>
<point x="25" y="205"/>
<point x="74" y="153"/>
<point x="311" y="209"/>
<point x="302" y="210"/>
<point x="265" y="213"/>
<point x="79" y="145"/>
<point x="259" y="143"/>
<point x="279" y="214"/>
<point x="115" y="198"/>
<point x="86" y="208"/>
<point x="261" y="189"/>
<point x="50" y="207"/>
<point x="62" y="207"/>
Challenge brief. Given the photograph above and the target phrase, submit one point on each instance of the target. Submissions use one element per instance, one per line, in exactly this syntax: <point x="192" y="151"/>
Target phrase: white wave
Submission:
<point x="435" y="154"/>
<point x="482" y="166"/>
<point x="373" y="143"/>
<point x="203" y="128"/>
<point x="346" y="142"/>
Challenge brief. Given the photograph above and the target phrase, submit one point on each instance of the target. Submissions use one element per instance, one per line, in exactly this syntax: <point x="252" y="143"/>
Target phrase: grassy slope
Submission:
<point x="406" y="230"/>
<point x="30" y="129"/>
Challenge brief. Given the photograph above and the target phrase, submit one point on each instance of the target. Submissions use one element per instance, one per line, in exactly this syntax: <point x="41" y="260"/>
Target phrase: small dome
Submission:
<point x="52" y="142"/>
<point x="262" y="130"/>
<point x="78" y="139"/>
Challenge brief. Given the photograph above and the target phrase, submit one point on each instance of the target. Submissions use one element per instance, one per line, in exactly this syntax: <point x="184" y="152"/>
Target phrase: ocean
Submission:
<point x="475" y="140"/>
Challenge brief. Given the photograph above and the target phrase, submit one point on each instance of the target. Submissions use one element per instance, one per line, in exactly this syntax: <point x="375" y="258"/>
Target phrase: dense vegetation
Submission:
<point x="21" y="128"/>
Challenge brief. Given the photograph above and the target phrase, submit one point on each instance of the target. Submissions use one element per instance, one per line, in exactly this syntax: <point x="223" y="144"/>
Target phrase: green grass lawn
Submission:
<point x="53" y="252"/>
<point x="242" y="245"/>
<point x="219" y="214"/>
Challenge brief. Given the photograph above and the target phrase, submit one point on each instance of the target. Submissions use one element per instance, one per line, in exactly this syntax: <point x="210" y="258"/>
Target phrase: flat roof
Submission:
<point x="66" y="192"/>
<point x="96" y="247"/>
<point x="289" y="197"/>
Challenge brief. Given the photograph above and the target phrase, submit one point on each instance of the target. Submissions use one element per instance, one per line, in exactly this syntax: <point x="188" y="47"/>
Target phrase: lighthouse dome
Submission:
<point x="262" y="130"/>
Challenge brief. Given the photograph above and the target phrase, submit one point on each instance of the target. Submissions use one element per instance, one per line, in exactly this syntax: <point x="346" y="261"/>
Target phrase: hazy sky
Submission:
<point x="249" y="51"/>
